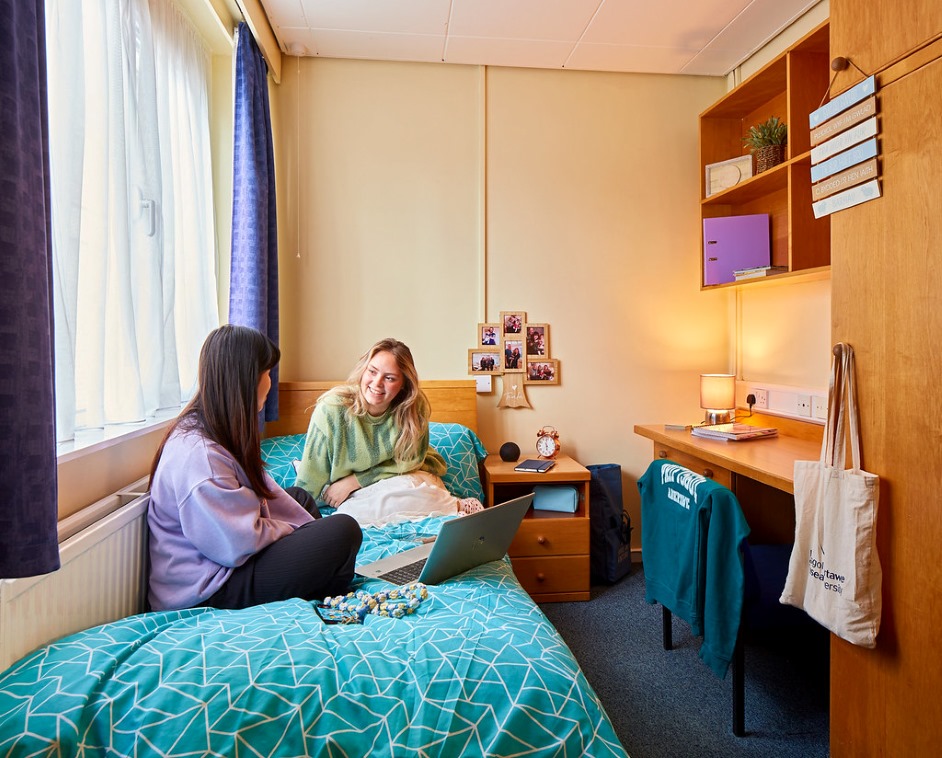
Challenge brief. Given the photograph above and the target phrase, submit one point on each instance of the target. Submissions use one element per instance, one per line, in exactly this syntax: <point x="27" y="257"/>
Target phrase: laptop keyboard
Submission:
<point x="405" y="574"/>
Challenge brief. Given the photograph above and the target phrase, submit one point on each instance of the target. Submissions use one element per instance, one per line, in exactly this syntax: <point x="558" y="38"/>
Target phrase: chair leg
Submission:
<point x="666" y="637"/>
<point x="739" y="689"/>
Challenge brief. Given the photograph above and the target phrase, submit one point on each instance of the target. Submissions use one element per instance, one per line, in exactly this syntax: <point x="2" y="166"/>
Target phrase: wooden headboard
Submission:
<point x="452" y="401"/>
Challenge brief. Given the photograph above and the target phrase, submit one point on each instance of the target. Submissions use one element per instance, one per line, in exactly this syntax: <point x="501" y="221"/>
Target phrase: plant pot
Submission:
<point x="768" y="156"/>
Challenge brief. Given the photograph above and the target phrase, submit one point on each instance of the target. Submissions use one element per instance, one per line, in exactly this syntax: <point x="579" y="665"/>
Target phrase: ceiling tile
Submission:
<point x="663" y="23"/>
<point x="507" y="52"/>
<point x="625" y="58"/>
<point x="703" y="37"/>
<point x="759" y="23"/>
<point x="396" y="16"/>
<point x="522" y="19"/>
<point x="378" y="46"/>
<point x="284" y="13"/>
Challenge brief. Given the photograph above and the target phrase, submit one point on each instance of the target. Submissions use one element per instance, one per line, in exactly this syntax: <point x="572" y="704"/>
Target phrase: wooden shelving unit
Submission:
<point x="791" y="86"/>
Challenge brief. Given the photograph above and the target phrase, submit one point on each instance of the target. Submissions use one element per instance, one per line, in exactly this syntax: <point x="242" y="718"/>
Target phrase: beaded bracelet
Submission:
<point x="396" y="603"/>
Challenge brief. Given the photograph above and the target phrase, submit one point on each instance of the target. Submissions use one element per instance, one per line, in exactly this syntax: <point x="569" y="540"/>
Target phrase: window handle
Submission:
<point x="149" y="210"/>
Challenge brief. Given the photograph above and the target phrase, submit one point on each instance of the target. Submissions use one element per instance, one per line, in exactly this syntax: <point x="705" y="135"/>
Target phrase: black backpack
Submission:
<point x="610" y="530"/>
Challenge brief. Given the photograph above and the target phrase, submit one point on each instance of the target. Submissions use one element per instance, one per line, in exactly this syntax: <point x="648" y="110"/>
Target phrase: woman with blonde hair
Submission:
<point x="371" y="429"/>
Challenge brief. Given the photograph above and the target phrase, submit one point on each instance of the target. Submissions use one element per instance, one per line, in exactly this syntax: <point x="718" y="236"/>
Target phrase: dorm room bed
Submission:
<point x="476" y="670"/>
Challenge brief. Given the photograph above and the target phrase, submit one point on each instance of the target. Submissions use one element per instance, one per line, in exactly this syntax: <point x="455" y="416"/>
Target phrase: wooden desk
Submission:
<point x="759" y="471"/>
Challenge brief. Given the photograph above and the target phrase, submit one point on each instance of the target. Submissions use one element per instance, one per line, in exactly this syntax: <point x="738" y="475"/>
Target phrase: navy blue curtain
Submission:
<point x="29" y="543"/>
<point x="253" y="287"/>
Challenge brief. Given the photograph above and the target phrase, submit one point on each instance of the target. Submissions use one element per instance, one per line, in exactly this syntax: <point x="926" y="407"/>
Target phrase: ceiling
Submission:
<point x="699" y="37"/>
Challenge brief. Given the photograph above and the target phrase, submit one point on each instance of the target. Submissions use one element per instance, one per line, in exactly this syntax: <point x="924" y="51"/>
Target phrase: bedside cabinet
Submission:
<point x="550" y="553"/>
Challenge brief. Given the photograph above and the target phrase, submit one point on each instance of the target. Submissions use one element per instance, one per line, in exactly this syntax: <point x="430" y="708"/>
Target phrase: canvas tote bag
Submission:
<point x="834" y="571"/>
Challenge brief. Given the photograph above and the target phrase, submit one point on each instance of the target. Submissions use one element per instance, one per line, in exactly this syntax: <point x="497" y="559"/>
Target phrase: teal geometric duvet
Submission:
<point x="478" y="670"/>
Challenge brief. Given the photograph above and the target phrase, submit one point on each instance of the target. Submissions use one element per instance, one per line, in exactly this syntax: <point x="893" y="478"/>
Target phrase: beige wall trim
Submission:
<point x="257" y="21"/>
<point x="213" y="24"/>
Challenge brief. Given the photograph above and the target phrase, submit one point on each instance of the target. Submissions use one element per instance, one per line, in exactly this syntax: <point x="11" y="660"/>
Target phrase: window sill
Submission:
<point x="88" y="441"/>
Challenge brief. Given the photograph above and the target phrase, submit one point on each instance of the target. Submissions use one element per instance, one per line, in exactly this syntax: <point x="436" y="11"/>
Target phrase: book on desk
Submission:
<point x="534" y="466"/>
<point x="734" y="432"/>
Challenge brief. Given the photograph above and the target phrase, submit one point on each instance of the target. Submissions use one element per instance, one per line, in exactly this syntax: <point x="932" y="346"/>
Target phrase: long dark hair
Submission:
<point x="225" y="406"/>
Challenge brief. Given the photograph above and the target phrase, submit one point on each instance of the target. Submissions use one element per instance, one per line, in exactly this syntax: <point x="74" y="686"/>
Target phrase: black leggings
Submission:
<point x="314" y="561"/>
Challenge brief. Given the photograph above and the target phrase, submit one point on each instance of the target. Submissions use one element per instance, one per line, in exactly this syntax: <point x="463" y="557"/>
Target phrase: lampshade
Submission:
<point x="718" y="397"/>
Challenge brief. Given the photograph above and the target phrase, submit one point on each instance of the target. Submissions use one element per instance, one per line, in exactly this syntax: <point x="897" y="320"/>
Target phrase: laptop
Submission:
<point x="462" y="544"/>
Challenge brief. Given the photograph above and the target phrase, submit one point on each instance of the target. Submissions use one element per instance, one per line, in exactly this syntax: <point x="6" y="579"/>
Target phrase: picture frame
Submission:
<point x="485" y="361"/>
<point x="513" y="354"/>
<point x="511" y="322"/>
<point x="542" y="371"/>
<point x="489" y="331"/>
<point x="536" y="337"/>
<point x="726" y="174"/>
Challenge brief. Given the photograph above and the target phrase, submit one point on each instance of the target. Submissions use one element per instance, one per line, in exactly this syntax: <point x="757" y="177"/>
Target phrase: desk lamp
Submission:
<point x="718" y="397"/>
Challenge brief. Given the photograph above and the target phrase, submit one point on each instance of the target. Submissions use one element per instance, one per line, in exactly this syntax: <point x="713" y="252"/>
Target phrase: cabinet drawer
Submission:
<point x="551" y="536"/>
<point x="710" y="471"/>
<point x="553" y="574"/>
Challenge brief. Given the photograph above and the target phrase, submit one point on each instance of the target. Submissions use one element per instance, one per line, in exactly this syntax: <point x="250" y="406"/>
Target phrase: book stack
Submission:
<point x="757" y="271"/>
<point x="734" y="432"/>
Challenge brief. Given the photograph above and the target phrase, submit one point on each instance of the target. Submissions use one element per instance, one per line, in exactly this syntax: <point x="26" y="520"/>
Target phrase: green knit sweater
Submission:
<point x="338" y="445"/>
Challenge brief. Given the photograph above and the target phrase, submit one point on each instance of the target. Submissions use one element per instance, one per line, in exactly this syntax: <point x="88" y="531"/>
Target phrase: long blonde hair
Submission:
<point x="410" y="408"/>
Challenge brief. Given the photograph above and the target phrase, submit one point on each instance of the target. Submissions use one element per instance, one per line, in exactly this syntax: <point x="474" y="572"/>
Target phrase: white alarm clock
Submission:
<point x="547" y="442"/>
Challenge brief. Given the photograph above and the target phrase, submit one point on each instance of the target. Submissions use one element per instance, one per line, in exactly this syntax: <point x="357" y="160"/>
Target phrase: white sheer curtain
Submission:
<point x="132" y="208"/>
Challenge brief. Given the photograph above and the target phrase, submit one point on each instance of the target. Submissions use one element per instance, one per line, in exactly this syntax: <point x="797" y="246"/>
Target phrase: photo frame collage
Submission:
<point x="514" y="345"/>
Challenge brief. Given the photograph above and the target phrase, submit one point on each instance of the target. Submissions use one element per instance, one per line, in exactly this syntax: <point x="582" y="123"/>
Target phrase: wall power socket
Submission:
<point x="762" y="399"/>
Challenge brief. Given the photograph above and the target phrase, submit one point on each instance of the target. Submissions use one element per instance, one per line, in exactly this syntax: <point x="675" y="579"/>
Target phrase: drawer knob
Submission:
<point x="708" y="473"/>
<point x="661" y="453"/>
<point x="541" y="539"/>
<point x="541" y="577"/>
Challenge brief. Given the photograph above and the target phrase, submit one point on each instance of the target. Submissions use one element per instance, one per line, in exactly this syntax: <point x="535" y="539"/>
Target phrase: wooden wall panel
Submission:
<point x="874" y="34"/>
<point x="887" y="302"/>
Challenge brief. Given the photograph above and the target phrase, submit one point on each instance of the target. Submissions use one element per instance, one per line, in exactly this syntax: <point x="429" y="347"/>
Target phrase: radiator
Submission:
<point x="103" y="552"/>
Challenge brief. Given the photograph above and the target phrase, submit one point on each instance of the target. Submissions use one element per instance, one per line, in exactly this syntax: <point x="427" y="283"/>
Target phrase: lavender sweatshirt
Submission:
<point x="205" y="520"/>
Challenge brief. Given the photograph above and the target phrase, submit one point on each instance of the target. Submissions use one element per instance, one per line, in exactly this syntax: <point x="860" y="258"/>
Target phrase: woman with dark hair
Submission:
<point x="222" y="532"/>
<point x="371" y="429"/>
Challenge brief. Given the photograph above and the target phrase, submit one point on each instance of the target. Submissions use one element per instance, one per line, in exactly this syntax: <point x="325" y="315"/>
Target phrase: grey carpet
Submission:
<point x="668" y="703"/>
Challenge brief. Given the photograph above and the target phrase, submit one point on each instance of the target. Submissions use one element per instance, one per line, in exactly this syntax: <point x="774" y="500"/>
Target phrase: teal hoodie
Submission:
<point x="691" y="539"/>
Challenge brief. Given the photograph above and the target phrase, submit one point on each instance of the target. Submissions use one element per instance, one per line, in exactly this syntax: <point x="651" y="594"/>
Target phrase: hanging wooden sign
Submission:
<point x="854" y="196"/>
<point x="845" y="167"/>
<point x="858" y="174"/>
<point x="844" y="121"/>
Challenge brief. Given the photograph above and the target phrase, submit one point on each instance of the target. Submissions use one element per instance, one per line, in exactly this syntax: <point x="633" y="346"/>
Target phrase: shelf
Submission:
<point x="789" y="87"/>
<point x="773" y="180"/>
<point x="803" y="276"/>
<point x="758" y="89"/>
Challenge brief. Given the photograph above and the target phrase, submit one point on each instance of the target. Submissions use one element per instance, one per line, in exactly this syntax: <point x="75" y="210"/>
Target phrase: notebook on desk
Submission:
<point x="462" y="544"/>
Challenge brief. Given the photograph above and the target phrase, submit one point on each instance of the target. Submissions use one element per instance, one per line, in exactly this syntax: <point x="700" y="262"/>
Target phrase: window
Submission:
<point x="132" y="208"/>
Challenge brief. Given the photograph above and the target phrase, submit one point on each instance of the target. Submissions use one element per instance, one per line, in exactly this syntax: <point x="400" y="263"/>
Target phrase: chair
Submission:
<point x="724" y="578"/>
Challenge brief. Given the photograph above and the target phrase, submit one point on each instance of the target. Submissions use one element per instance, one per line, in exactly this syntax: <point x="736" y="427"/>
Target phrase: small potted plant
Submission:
<point x="767" y="143"/>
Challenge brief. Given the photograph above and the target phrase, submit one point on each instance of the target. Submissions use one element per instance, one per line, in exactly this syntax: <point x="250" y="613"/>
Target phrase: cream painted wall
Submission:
<point x="433" y="197"/>
<point x="385" y="162"/>
<point x="592" y="228"/>
<point x="783" y="334"/>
